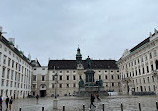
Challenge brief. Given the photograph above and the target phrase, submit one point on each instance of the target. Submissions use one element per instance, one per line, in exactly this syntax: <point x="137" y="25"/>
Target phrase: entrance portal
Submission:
<point x="42" y="93"/>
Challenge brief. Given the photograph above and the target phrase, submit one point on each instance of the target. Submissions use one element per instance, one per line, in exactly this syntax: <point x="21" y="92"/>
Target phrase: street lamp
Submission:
<point x="56" y="77"/>
<point x="55" y="101"/>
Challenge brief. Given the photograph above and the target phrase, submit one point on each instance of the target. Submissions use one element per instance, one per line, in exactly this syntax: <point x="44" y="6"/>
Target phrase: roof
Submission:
<point x="140" y="44"/>
<point x="72" y="64"/>
<point x="35" y="63"/>
<point x="15" y="50"/>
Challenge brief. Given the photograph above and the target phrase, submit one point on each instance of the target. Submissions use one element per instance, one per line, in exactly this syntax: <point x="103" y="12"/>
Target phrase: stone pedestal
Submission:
<point x="55" y="104"/>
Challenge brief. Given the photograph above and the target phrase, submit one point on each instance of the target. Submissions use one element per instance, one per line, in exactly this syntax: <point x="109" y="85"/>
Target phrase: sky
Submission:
<point x="53" y="29"/>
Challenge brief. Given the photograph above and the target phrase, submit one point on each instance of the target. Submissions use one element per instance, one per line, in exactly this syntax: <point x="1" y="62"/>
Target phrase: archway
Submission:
<point x="43" y="90"/>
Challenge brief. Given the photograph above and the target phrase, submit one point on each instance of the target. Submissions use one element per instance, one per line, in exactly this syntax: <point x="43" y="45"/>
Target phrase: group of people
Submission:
<point x="93" y="98"/>
<point x="8" y="103"/>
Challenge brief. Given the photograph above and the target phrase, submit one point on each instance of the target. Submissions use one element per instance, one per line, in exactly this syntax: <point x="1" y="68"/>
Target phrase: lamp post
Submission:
<point x="55" y="101"/>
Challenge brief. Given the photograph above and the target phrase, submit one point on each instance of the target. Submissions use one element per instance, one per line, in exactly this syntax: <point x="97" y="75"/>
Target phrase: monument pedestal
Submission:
<point x="55" y="104"/>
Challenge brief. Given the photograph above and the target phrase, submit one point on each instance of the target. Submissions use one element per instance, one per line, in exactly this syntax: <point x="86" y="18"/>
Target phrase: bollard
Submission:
<point x="63" y="108"/>
<point x="42" y="108"/>
<point x="121" y="106"/>
<point x="156" y="105"/>
<point x="139" y="106"/>
<point x="103" y="107"/>
<point x="83" y="107"/>
<point x="20" y="109"/>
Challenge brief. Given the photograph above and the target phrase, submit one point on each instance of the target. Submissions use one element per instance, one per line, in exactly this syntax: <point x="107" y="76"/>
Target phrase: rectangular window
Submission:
<point x="149" y="88"/>
<point x="146" y="58"/>
<point x="67" y="85"/>
<point x="60" y="85"/>
<point x="60" y="77"/>
<point x="12" y="63"/>
<point x="9" y="61"/>
<point x="153" y="79"/>
<point x="74" y="85"/>
<point x="155" y="53"/>
<point x="8" y="73"/>
<point x="99" y="76"/>
<point x="150" y="55"/>
<point x="148" y="80"/>
<point x="143" y="70"/>
<point x="53" y="77"/>
<point x="12" y="73"/>
<point x="67" y="77"/>
<point x="139" y="72"/>
<point x="34" y="77"/>
<point x="2" y="82"/>
<point x="144" y="80"/>
<point x="152" y="68"/>
<point x="43" y="78"/>
<point x="147" y="68"/>
<point x="142" y="59"/>
<point x="3" y="72"/>
<point x="52" y="85"/>
<point x="4" y="59"/>
<point x="74" y="77"/>
<point x="106" y="77"/>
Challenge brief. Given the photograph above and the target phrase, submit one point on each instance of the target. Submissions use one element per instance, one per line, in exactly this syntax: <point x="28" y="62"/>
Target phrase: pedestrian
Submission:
<point x="7" y="101"/>
<point x="37" y="97"/>
<point x="92" y="100"/>
<point x="0" y="103"/>
<point x="10" y="103"/>
<point x="98" y="98"/>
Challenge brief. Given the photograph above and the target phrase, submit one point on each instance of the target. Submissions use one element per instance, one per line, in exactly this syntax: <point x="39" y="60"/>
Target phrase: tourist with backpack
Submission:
<point x="10" y="103"/>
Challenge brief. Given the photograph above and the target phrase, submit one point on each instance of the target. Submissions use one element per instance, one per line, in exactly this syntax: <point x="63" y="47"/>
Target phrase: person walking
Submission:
<point x="92" y="100"/>
<point x="7" y="101"/>
<point x="37" y="97"/>
<point x="98" y="98"/>
<point x="0" y="103"/>
<point x="10" y="103"/>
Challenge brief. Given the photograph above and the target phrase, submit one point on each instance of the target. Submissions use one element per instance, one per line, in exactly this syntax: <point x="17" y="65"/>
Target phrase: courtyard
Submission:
<point x="112" y="103"/>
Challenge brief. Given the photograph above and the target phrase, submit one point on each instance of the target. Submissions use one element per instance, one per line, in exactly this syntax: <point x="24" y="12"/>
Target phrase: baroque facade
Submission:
<point x="138" y="67"/>
<point x="69" y="73"/>
<point x="15" y="70"/>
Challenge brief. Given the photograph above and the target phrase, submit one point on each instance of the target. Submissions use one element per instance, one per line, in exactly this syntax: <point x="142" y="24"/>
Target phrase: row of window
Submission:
<point x="145" y="88"/>
<point x="12" y="92"/>
<point x="16" y="84"/>
<point x="17" y="58"/>
<point x="14" y="64"/>
<point x="75" y="71"/>
<point x="13" y="75"/>
<point x="137" y="61"/>
<point x="144" y="80"/>
<point x="139" y="71"/>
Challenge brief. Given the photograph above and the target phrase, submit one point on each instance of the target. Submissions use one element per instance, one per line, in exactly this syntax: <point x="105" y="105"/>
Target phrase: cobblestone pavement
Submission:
<point x="112" y="103"/>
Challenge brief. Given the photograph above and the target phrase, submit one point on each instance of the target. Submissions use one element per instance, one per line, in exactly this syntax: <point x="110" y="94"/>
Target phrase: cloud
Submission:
<point x="54" y="28"/>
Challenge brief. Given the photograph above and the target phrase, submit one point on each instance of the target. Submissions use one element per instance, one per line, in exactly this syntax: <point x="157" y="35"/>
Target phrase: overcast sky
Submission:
<point x="54" y="28"/>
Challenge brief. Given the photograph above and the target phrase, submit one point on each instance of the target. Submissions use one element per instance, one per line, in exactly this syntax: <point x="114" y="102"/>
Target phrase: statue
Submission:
<point x="81" y="83"/>
<point x="89" y="63"/>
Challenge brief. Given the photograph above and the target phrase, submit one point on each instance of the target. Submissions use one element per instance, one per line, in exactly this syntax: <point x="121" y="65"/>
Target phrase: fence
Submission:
<point x="103" y="107"/>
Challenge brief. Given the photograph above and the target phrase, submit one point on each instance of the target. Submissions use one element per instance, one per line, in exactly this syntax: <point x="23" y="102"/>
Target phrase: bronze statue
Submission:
<point x="89" y="63"/>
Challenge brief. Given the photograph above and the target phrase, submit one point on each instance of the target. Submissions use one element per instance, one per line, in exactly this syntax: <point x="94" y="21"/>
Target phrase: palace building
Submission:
<point x="138" y="67"/>
<point x="15" y="70"/>
<point x="69" y="73"/>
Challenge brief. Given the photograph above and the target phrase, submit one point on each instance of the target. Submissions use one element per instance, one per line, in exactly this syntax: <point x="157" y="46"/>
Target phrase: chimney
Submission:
<point x="155" y="31"/>
<point x="12" y="40"/>
<point x="29" y="56"/>
<point x="17" y="46"/>
<point x="150" y="34"/>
